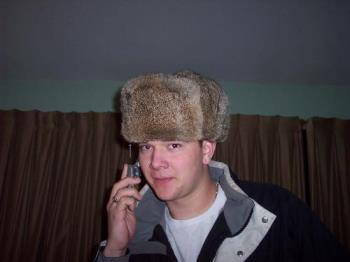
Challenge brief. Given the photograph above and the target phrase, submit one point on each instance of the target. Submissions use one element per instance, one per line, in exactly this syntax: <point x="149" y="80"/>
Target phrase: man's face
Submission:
<point x="175" y="170"/>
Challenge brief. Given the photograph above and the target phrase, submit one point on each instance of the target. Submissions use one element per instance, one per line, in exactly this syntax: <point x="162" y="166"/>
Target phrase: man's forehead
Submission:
<point x="166" y="141"/>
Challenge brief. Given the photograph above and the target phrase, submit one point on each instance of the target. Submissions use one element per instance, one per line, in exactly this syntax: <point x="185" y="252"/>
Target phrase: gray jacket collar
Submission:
<point x="237" y="209"/>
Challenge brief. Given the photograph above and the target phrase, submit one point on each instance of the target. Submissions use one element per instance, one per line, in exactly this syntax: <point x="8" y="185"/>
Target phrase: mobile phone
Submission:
<point x="134" y="170"/>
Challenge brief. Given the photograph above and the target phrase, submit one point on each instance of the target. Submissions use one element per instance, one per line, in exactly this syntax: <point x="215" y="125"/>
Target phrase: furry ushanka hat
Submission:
<point x="179" y="107"/>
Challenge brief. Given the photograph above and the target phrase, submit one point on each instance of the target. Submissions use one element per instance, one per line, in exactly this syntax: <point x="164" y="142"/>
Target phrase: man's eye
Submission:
<point x="144" y="147"/>
<point x="175" y="146"/>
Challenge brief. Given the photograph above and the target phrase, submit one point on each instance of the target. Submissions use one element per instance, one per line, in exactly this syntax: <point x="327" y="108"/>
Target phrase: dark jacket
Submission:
<point x="259" y="222"/>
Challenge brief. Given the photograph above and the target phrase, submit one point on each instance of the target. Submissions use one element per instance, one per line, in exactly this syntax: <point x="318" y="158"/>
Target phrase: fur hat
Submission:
<point x="183" y="106"/>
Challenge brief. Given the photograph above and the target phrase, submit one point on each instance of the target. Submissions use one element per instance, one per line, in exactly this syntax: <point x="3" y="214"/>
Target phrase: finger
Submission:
<point x="125" y="182"/>
<point x="126" y="203"/>
<point x="120" y="183"/>
<point x="127" y="192"/>
<point x="125" y="171"/>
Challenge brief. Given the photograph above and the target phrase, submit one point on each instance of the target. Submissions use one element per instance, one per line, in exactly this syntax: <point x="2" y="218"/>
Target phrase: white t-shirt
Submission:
<point x="187" y="236"/>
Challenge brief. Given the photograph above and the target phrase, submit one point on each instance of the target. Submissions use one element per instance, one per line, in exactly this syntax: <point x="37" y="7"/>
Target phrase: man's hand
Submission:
<point x="121" y="216"/>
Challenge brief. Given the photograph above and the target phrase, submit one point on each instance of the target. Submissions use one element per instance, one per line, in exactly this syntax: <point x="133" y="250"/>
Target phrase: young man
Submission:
<point x="193" y="208"/>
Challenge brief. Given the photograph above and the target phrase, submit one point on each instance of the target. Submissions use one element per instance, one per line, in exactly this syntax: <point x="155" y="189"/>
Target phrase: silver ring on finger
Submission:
<point x="115" y="199"/>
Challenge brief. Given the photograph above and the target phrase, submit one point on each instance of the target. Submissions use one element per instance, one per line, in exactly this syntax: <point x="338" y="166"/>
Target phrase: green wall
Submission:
<point x="245" y="98"/>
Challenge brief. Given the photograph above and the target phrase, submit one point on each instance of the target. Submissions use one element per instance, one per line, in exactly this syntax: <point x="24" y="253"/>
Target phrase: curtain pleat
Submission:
<point x="329" y="172"/>
<point x="266" y="149"/>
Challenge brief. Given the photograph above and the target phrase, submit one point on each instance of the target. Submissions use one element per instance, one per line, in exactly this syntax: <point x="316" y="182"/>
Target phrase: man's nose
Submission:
<point x="158" y="159"/>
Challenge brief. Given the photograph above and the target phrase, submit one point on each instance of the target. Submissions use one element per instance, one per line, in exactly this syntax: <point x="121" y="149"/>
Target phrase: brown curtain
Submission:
<point x="329" y="171"/>
<point x="55" y="172"/>
<point x="266" y="149"/>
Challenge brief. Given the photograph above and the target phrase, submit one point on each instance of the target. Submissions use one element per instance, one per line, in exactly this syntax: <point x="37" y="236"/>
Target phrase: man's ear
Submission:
<point x="208" y="150"/>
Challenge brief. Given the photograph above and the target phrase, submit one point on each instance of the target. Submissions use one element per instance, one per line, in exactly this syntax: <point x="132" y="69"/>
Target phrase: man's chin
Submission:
<point x="164" y="197"/>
